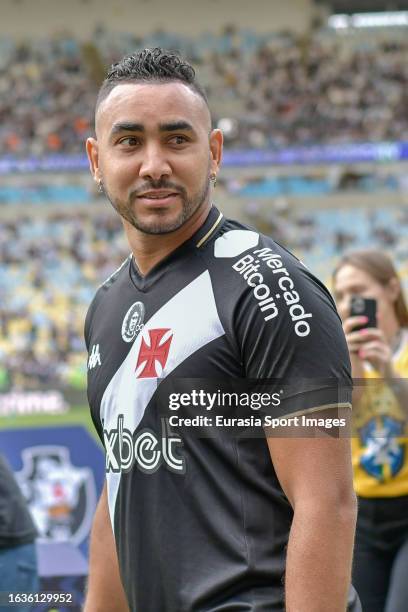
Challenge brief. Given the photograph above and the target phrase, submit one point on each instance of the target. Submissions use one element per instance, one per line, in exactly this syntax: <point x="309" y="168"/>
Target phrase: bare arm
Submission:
<point x="105" y="590"/>
<point x="316" y="475"/>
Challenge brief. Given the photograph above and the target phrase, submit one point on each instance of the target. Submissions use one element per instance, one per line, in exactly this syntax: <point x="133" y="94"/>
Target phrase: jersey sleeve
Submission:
<point x="89" y="317"/>
<point x="87" y="326"/>
<point x="88" y="340"/>
<point x="290" y="333"/>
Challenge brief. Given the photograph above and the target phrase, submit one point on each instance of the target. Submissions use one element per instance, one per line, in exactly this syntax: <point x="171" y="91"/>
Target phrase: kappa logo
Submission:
<point x="153" y="353"/>
<point x="133" y="322"/>
<point x="61" y="497"/>
<point x="94" y="358"/>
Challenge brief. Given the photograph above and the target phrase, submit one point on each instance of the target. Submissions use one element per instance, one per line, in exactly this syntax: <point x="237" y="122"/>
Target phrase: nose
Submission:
<point x="155" y="164"/>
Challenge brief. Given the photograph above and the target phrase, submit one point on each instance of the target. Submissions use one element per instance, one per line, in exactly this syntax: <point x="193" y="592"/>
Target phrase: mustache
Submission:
<point x="159" y="184"/>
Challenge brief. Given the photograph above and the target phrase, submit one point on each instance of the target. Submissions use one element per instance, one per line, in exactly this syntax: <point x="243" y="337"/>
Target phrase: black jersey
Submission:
<point x="201" y="522"/>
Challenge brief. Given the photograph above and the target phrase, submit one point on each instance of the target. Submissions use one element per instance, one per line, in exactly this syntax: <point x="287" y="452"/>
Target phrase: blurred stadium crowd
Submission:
<point x="49" y="270"/>
<point x="50" y="267"/>
<point x="265" y="90"/>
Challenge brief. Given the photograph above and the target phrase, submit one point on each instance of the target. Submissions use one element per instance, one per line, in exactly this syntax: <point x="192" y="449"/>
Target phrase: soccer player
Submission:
<point x="217" y="522"/>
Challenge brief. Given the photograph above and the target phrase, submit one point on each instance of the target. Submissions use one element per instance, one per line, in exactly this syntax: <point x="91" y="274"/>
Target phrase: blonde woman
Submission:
<point x="379" y="358"/>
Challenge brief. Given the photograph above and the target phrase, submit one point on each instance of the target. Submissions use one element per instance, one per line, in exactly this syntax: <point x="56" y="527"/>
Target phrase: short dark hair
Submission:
<point x="150" y="65"/>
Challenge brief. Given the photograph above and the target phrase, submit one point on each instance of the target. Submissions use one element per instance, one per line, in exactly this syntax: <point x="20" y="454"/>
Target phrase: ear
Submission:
<point x="93" y="157"/>
<point x="216" y="143"/>
<point x="394" y="289"/>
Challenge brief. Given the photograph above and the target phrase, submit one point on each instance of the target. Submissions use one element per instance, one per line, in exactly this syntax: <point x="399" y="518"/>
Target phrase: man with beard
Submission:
<point x="189" y="522"/>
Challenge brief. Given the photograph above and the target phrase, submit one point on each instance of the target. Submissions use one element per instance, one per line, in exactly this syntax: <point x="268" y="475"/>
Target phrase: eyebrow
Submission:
<point x="163" y="127"/>
<point x="175" y="125"/>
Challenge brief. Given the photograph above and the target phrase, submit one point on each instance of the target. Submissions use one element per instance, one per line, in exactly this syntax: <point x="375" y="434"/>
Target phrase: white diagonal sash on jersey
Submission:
<point x="193" y="318"/>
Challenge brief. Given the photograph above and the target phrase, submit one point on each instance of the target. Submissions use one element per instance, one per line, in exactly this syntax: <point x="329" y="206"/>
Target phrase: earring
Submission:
<point x="213" y="178"/>
<point x="100" y="186"/>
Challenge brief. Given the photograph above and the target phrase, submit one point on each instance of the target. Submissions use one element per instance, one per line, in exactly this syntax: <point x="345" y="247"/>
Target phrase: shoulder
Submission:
<point x="235" y="241"/>
<point x="282" y="318"/>
<point x="112" y="279"/>
<point x="111" y="284"/>
<point x="250" y="262"/>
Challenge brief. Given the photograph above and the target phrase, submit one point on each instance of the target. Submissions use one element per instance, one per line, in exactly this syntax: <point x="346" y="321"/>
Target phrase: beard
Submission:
<point x="159" y="224"/>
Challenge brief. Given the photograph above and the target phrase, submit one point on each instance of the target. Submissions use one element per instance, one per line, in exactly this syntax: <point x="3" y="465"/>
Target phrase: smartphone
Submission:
<point x="364" y="307"/>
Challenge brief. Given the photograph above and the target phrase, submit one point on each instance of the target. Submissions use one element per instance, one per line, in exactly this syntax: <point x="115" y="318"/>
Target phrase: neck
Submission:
<point x="149" y="249"/>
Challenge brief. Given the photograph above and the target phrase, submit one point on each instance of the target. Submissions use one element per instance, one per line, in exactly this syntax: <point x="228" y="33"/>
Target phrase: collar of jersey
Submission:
<point x="195" y="242"/>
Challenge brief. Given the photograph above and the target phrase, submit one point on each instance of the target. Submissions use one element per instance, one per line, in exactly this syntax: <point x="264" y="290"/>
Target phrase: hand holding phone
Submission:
<point x="364" y="307"/>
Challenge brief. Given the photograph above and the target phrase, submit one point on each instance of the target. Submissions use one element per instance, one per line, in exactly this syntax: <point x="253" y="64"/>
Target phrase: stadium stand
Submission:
<point x="268" y="90"/>
<point x="50" y="267"/>
<point x="52" y="262"/>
